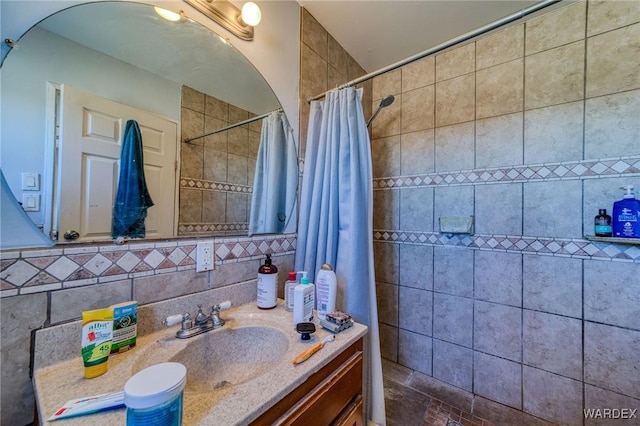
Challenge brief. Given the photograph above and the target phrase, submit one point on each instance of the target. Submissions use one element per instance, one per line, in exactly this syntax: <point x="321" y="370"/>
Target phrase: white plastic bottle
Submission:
<point x="289" y="288"/>
<point x="303" y="301"/>
<point x="326" y="288"/>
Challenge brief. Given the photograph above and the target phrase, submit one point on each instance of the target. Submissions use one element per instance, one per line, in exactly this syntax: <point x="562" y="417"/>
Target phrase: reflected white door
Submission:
<point x="91" y="135"/>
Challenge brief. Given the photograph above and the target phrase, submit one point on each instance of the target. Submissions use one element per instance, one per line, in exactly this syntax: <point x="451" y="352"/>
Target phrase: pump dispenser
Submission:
<point x="303" y="300"/>
<point x="267" y="297"/>
<point x="626" y="215"/>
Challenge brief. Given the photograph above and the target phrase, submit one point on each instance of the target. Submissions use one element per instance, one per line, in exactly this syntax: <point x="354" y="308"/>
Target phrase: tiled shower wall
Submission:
<point x="216" y="173"/>
<point x="324" y="65"/>
<point x="531" y="130"/>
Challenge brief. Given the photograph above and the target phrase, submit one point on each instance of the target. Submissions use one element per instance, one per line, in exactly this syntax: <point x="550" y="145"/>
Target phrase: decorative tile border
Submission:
<point x="34" y="271"/>
<point x="566" y="247"/>
<point x="587" y="169"/>
<point x="198" y="228"/>
<point x="208" y="185"/>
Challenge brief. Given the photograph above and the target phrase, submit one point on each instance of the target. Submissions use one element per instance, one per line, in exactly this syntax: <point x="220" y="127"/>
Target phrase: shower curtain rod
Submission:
<point x="482" y="30"/>
<point x="231" y="126"/>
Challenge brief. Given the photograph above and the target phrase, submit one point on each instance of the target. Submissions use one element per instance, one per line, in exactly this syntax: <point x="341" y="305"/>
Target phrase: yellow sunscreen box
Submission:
<point x="125" y="326"/>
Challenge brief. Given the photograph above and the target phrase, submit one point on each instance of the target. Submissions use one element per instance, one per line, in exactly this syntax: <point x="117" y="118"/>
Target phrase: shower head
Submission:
<point x="385" y="102"/>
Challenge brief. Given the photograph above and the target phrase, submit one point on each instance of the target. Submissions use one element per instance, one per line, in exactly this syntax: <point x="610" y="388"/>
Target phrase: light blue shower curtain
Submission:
<point x="336" y="219"/>
<point x="276" y="177"/>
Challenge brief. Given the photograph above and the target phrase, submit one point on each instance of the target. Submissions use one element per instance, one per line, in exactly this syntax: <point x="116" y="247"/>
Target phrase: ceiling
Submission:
<point x="380" y="33"/>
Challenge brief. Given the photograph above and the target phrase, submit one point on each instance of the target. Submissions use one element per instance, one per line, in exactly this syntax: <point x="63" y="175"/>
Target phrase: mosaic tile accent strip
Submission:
<point x="32" y="271"/>
<point x="566" y="247"/>
<point x="199" y="228"/>
<point x="208" y="185"/>
<point x="587" y="169"/>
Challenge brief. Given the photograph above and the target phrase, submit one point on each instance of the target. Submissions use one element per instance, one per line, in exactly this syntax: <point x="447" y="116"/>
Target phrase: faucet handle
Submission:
<point x="225" y="305"/>
<point x="172" y="320"/>
<point x="215" y="313"/>
<point x="201" y="318"/>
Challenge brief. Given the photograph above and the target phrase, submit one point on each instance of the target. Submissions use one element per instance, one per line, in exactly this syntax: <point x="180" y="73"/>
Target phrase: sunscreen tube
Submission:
<point x="97" y="334"/>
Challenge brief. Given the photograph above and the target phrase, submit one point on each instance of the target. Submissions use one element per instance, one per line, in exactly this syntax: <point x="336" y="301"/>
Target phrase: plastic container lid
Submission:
<point x="155" y="385"/>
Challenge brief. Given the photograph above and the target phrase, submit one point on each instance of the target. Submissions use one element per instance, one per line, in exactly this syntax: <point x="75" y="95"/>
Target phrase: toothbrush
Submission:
<point x="307" y="354"/>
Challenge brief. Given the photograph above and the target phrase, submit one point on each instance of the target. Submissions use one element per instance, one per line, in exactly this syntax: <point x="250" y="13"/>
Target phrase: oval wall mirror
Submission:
<point x="73" y="80"/>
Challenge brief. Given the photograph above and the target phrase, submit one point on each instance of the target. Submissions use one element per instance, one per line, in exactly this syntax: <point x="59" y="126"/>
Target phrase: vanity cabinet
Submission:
<point x="331" y="396"/>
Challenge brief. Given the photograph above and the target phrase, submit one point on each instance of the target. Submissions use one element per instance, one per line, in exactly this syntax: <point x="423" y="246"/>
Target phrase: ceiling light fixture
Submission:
<point x="229" y="16"/>
<point x="167" y="14"/>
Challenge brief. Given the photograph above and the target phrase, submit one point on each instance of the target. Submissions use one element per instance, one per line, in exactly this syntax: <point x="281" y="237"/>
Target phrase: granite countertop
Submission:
<point x="234" y="404"/>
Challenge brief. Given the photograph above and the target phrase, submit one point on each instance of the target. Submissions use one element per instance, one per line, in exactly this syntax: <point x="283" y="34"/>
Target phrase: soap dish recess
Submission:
<point x="451" y="225"/>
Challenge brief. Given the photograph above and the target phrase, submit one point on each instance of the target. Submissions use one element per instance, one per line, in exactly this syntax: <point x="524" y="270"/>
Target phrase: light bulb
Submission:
<point x="251" y="14"/>
<point x="167" y="14"/>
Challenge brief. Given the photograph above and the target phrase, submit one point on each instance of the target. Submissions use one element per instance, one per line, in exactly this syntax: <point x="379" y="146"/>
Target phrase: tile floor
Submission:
<point x="408" y="407"/>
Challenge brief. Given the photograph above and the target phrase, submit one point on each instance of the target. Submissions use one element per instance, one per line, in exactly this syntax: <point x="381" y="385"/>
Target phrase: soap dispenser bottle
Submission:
<point x="626" y="215"/>
<point x="303" y="300"/>
<point x="267" y="297"/>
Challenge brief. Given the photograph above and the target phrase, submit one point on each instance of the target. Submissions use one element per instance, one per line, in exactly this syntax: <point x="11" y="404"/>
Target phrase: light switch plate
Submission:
<point x="31" y="181"/>
<point x="31" y="202"/>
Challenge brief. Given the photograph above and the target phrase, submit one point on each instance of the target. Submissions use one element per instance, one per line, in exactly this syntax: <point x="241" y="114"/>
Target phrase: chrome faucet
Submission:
<point x="200" y="324"/>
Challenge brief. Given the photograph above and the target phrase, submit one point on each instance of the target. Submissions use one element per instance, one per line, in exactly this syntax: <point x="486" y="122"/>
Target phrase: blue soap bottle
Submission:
<point x="626" y="215"/>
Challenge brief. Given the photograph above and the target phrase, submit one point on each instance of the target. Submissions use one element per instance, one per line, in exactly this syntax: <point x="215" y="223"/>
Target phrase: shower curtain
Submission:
<point x="276" y="177"/>
<point x="336" y="220"/>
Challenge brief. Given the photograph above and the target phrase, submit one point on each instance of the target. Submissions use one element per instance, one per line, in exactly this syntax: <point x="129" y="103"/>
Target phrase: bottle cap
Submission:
<point x="602" y="212"/>
<point x="304" y="280"/>
<point x="292" y="275"/>
<point x="326" y="267"/>
<point x="267" y="261"/>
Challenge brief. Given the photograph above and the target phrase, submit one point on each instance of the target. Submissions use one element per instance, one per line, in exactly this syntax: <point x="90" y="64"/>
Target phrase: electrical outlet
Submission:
<point x="204" y="256"/>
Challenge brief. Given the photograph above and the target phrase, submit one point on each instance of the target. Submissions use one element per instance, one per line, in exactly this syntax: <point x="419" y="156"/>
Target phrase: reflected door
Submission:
<point x="91" y="132"/>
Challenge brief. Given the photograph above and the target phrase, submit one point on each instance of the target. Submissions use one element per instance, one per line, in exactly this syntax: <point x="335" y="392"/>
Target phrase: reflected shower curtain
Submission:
<point x="336" y="220"/>
<point x="276" y="177"/>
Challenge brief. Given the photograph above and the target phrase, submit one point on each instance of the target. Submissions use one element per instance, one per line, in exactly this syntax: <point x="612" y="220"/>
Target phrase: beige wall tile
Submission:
<point x="553" y="29"/>
<point x="607" y="15"/>
<point x="387" y="123"/>
<point x="313" y="73"/>
<point x="190" y="205"/>
<point x="387" y="84"/>
<point x="600" y="398"/>
<point x="237" y="114"/>
<point x="456" y="62"/>
<point x="314" y="35"/>
<point x="417" y="152"/>
<point x="613" y="61"/>
<point x="237" y="169"/>
<point x="454" y="147"/>
<point x="192" y="99"/>
<point x="499" y="89"/>
<point x="216" y="162"/>
<point x="385" y="153"/>
<point x="455" y="100"/>
<point x="237" y="207"/>
<point x="238" y="141"/>
<point x="387" y="206"/>
<point x="338" y="57"/>
<point x="168" y="286"/>
<point x="216" y="108"/>
<point x="217" y="141"/>
<point x="418" y="109"/>
<point x="214" y="207"/>
<point x="387" y="296"/>
<point x="192" y="124"/>
<point x="20" y="316"/>
<point x="552" y="397"/>
<point x="389" y="342"/>
<point x="334" y="78"/>
<point x="554" y="133"/>
<point x="499" y="380"/>
<point x="612" y="125"/>
<point x="554" y="76"/>
<point x="191" y="164"/>
<point x="419" y="73"/>
<point x="611" y="358"/>
<point x="69" y="304"/>
<point x="499" y="141"/>
<point x="503" y="46"/>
